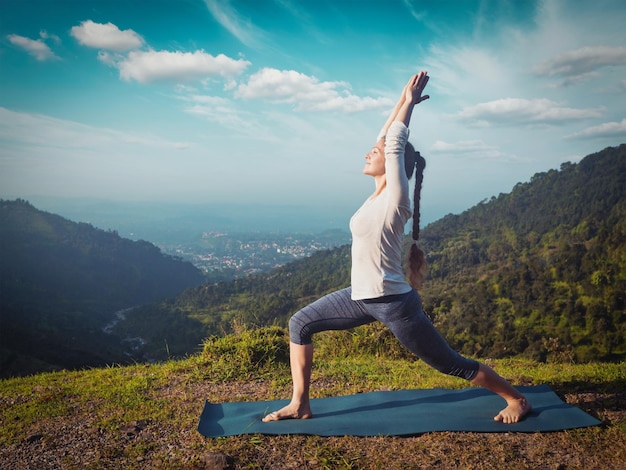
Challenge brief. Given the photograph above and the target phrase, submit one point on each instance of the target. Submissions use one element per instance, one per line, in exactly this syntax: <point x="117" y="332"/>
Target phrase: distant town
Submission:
<point x="229" y="255"/>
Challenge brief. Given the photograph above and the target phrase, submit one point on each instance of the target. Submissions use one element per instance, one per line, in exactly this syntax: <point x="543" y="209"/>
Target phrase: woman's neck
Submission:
<point x="381" y="184"/>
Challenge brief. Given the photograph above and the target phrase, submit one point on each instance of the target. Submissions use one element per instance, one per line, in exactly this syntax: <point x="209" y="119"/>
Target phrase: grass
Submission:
<point x="81" y="419"/>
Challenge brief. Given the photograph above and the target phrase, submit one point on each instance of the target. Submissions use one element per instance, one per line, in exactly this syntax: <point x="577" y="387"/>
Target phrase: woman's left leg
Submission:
<point x="517" y="405"/>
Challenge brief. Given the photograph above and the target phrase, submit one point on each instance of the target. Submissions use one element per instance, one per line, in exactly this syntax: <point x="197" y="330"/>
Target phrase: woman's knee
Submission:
<point x="463" y="367"/>
<point x="295" y="330"/>
<point x="298" y="331"/>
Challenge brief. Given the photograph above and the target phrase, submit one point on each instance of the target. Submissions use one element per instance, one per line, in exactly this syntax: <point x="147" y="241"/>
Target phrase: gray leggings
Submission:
<point x="402" y="314"/>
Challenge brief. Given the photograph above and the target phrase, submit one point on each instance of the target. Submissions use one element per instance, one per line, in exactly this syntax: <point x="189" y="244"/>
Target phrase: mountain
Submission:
<point x="539" y="272"/>
<point x="61" y="282"/>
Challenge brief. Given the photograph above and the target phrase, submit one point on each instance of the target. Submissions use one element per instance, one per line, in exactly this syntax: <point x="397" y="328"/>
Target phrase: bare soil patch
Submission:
<point x="74" y="440"/>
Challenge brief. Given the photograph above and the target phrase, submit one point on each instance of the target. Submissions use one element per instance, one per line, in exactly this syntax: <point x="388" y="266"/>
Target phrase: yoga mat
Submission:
<point x="396" y="413"/>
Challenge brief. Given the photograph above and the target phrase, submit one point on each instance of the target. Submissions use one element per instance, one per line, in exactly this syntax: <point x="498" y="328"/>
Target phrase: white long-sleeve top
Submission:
<point x="378" y="227"/>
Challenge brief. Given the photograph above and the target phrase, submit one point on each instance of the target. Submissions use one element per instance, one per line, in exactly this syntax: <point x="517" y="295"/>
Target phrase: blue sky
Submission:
<point x="277" y="101"/>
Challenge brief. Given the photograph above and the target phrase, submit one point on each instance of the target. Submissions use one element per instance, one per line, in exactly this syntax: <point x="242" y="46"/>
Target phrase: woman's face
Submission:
<point x="375" y="160"/>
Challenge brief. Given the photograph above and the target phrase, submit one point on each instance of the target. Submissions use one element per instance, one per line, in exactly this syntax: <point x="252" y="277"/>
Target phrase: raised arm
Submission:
<point x="394" y="112"/>
<point x="412" y="96"/>
<point x="404" y="106"/>
<point x="397" y="133"/>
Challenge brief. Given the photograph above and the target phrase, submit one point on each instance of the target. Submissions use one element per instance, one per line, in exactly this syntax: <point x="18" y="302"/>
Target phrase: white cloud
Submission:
<point x="242" y="121"/>
<point x="582" y="62"/>
<point x="106" y="36"/>
<point x="40" y="154"/>
<point x="35" y="47"/>
<point x="469" y="148"/>
<point x="459" y="147"/>
<point x="306" y="92"/>
<point x="213" y="108"/>
<point x="418" y="15"/>
<point x="607" y="129"/>
<point x="523" y="111"/>
<point x="44" y="35"/>
<point x="46" y="132"/>
<point x="228" y="117"/>
<point x="472" y="71"/>
<point x="109" y="59"/>
<point x="148" y="66"/>
<point x="120" y="49"/>
<point x="574" y="80"/>
<point x="238" y="26"/>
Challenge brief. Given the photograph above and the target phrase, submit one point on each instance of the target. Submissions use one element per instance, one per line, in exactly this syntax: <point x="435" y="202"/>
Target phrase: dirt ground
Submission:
<point x="75" y="441"/>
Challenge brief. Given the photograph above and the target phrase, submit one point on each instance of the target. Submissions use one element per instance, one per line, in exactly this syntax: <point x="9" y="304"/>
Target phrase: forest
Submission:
<point x="539" y="272"/>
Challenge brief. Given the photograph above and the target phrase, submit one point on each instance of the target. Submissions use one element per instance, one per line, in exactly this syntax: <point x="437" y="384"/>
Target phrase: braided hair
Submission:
<point x="416" y="260"/>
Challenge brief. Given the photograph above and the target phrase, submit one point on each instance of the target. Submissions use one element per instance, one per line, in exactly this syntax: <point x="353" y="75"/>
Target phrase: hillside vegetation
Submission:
<point x="538" y="272"/>
<point x="61" y="282"/>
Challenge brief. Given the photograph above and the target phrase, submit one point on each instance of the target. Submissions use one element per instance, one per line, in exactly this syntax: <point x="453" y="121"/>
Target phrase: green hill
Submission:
<point x="540" y="271"/>
<point x="61" y="282"/>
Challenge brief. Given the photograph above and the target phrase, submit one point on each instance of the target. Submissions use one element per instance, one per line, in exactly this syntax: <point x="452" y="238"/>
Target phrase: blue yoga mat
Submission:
<point x="396" y="413"/>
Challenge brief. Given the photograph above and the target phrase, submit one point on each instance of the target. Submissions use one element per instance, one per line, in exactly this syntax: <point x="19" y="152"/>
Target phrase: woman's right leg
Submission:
<point x="301" y="360"/>
<point x="335" y="311"/>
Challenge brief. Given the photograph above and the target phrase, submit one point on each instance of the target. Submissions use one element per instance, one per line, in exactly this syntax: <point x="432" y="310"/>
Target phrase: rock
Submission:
<point x="134" y="428"/>
<point x="217" y="462"/>
<point x="34" y="438"/>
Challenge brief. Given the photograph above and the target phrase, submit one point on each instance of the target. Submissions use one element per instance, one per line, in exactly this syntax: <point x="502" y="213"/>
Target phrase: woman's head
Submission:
<point x="375" y="159"/>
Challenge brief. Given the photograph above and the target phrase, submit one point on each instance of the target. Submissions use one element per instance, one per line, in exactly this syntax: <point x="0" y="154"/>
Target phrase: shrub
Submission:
<point x="249" y="351"/>
<point x="374" y="339"/>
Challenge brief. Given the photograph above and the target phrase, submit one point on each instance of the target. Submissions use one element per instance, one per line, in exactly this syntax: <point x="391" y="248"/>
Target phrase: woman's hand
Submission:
<point x="413" y="95"/>
<point x="410" y="96"/>
<point x="415" y="87"/>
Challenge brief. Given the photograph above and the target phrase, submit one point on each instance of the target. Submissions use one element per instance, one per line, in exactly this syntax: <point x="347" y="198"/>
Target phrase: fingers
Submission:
<point x="421" y="79"/>
<point x="415" y="87"/>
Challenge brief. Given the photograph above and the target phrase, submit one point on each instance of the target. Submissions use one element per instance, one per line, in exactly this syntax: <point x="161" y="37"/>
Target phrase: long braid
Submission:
<point x="416" y="259"/>
<point x="420" y="164"/>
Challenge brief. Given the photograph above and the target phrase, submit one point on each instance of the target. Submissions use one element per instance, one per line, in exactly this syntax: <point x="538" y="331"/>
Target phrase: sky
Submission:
<point x="277" y="101"/>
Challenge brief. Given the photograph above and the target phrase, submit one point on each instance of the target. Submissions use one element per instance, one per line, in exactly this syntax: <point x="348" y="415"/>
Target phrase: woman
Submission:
<point x="378" y="289"/>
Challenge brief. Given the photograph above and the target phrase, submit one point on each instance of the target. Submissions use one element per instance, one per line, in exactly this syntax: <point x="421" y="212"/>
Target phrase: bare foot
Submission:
<point x="514" y="412"/>
<point x="289" y="412"/>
